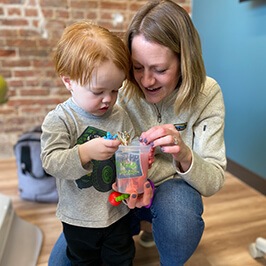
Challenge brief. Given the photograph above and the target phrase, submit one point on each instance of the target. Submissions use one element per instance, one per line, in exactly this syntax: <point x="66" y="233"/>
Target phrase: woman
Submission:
<point x="180" y="111"/>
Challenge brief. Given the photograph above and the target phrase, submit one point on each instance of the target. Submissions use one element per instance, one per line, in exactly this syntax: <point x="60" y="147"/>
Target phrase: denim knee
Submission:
<point x="58" y="255"/>
<point x="177" y="223"/>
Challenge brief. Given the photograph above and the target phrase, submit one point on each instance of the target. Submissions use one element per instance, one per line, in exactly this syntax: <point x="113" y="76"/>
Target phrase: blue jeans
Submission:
<point x="176" y="222"/>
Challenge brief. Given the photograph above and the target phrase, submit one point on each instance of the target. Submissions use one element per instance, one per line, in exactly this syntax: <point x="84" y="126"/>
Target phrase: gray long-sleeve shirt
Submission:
<point x="83" y="192"/>
<point x="201" y="128"/>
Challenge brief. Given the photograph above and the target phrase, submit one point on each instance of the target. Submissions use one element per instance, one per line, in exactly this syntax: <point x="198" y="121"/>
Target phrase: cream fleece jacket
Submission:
<point x="201" y="128"/>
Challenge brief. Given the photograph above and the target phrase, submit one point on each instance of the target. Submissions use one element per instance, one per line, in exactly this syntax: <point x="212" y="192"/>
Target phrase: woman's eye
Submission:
<point x="160" y="70"/>
<point x="137" y="68"/>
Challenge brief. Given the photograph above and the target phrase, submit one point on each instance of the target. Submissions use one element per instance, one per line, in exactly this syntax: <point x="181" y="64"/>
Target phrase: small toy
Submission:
<point x="110" y="136"/>
<point x="258" y="249"/>
<point x="124" y="137"/>
<point x="115" y="198"/>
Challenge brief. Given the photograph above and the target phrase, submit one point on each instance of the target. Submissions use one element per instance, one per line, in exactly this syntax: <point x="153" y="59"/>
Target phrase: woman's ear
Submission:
<point x="67" y="82"/>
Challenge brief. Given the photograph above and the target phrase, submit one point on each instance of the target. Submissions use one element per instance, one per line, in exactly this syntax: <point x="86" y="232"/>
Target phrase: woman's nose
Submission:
<point x="147" y="80"/>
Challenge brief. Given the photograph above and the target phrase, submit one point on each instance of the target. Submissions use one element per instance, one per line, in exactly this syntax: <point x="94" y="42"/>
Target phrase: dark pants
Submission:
<point x="112" y="245"/>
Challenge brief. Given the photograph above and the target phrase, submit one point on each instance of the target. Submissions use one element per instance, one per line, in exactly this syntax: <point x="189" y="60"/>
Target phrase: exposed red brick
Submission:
<point x="91" y="15"/>
<point x="62" y="14"/>
<point x="106" y="16"/>
<point x="16" y="63"/>
<point x="31" y="2"/>
<point x="32" y="102"/>
<point x="113" y="5"/>
<point x="22" y="43"/>
<point x="48" y="12"/>
<point x="10" y="2"/>
<point x="16" y="83"/>
<point x="134" y="6"/>
<point x="84" y="4"/>
<point x="32" y="82"/>
<point x="42" y="63"/>
<point x="14" y="22"/>
<point x="187" y="8"/>
<point x="8" y="53"/>
<point x="14" y="11"/>
<point x="77" y="14"/>
<point x="26" y="46"/>
<point x="28" y="33"/>
<point x="7" y="111"/>
<point x="53" y="3"/>
<point x="24" y="73"/>
<point x="31" y="12"/>
<point x="34" y="92"/>
<point x="30" y="110"/>
<point x="29" y="52"/>
<point x="7" y="33"/>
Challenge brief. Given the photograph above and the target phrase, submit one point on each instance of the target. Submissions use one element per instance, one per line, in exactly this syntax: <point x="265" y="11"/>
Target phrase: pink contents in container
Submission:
<point x="132" y="164"/>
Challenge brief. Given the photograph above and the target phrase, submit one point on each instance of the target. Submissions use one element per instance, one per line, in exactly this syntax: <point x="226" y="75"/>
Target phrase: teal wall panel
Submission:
<point x="233" y="37"/>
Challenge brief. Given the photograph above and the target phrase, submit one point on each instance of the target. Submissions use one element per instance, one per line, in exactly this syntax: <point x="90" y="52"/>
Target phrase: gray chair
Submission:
<point x="20" y="241"/>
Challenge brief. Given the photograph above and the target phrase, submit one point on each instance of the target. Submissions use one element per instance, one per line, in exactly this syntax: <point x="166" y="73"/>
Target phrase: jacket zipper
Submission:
<point x="159" y="116"/>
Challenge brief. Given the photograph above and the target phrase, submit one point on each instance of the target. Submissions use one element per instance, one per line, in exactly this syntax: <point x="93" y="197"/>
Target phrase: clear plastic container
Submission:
<point x="132" y="163"/>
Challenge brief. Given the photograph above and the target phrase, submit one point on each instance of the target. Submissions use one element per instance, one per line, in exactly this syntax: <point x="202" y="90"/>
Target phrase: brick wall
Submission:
<point x="29" y="29"/>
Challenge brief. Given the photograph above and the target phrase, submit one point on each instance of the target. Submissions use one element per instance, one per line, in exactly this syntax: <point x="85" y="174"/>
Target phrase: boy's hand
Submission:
<point x="98" y="149"/>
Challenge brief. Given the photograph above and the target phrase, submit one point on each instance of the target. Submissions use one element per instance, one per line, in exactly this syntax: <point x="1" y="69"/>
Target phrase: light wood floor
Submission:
<point x="234" y="218"/>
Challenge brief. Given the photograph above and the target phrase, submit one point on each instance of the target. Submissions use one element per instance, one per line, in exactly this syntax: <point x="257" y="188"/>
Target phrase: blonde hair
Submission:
<point x="84" y="46"/>
<point x="166" y="23"/>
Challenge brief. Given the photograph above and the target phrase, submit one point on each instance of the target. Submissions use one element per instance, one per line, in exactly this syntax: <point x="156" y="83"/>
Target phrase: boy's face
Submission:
<point x="100" y="94"/>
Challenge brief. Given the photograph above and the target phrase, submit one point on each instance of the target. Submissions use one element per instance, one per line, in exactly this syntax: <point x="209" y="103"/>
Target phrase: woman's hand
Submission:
<point x="139" y="201"/>
<point x="169" y="139"/>
<point x="151" y="156"/>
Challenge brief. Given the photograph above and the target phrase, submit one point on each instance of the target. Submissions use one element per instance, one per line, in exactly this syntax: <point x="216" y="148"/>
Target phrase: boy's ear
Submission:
<point x="67" y="82"/>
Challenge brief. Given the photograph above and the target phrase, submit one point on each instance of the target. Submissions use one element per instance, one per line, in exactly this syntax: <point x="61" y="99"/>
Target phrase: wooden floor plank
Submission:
<point x="234" y="218"/>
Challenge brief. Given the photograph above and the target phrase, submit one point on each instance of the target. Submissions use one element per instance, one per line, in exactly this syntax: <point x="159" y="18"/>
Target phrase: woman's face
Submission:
<point x="156" y="68"/>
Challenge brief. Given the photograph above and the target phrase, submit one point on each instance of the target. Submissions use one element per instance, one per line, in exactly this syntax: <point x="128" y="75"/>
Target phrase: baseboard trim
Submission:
<point x="250" y="178"/>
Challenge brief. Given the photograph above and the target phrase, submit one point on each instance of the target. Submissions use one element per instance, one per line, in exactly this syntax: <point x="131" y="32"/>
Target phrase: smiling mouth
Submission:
<point x="153" y="89"/>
